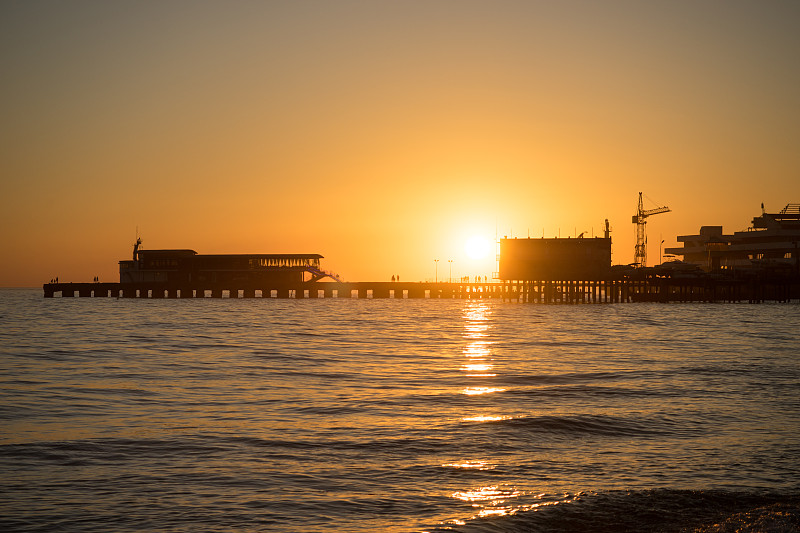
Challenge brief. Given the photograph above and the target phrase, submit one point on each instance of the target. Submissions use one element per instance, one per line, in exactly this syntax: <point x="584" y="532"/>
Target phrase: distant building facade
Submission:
<point x="771" y="241"/>
<point x="555" y="259"/>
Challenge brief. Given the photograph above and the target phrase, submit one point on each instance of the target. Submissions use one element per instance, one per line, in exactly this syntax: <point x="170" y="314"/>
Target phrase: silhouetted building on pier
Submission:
<point x="770" y="243"/>
<point x="555" y="259"/>
<point x="187" y="266"/>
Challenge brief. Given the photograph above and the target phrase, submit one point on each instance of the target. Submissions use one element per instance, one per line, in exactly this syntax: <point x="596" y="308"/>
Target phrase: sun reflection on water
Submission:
<point x="492" y="500"/>
<point x="479" y="362"/>
<point x="480" y="367"/>
<point x="475" y="331"/>
<point x="473" y="391"/>
<point x="485" y="494"/>
<point x="478" y="349"/>
<point x="474" y="465"/>
<point x="484" y="418"/>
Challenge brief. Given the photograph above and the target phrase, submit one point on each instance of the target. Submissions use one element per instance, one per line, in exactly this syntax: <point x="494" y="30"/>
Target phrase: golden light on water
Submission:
<point x="495" y="512"/>
<point x="496" y="501"/>
<point x="484" y="418"/>
<point x="477" y="349"/>
<point x="474" y="465"/>
<point x="474" y="391"/>
<point x="475" y="330"/>
<point x="479" y="363"/>
<point x="478" y="370"/>
<point x="485" y="494"/>
<point x="491" y="499"/>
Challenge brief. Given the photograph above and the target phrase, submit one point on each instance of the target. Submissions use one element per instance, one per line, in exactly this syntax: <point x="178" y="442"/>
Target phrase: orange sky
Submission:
<point x="382" y="135"/>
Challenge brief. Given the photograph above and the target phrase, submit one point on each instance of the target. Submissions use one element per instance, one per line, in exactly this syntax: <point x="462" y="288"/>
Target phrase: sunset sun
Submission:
<point x="478" y="247"/>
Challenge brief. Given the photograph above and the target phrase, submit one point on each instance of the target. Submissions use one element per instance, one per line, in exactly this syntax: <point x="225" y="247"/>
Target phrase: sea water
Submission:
<point x="396" y="415"/>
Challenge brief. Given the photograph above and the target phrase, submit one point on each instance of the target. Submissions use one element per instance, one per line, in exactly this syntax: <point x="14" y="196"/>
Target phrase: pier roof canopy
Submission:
<point x="265" y="256"/>
<point x="171" y="253"/>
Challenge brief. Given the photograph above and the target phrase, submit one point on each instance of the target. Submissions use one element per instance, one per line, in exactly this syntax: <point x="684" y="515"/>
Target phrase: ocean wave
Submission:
<point x="662" y="510"/>
<point x="599" y="425"/>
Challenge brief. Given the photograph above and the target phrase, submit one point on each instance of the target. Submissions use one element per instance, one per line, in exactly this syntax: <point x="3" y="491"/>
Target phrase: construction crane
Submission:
<point x="640" y="219"/>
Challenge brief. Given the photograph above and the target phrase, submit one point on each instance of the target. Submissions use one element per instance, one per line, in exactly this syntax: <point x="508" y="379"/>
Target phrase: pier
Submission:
<point x="540" y="271"/>
<point x="623" y="290"/>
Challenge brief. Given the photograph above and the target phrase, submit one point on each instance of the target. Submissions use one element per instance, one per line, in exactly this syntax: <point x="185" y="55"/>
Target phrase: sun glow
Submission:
<point x="478" y="247"/>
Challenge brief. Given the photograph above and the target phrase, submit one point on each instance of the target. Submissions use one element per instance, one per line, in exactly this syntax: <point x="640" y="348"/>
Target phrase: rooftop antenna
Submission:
<point x="137" y="244"/>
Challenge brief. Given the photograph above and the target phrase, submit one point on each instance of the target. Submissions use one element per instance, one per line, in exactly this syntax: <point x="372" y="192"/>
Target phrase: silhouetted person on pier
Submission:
<point x="392" y="277"/>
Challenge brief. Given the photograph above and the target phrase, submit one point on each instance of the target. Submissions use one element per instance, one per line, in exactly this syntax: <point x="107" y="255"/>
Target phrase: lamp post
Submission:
<point x="659" y="251"/>
<point x="450" y="279"/>
<point x="436" y="263"/>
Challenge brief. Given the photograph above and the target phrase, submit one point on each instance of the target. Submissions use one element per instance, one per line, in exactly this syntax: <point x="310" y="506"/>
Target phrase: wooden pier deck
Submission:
<point x="542" y="292"/>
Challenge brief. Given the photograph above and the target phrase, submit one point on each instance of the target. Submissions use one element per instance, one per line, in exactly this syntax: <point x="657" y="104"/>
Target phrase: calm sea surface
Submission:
<point x="396" y="416"/>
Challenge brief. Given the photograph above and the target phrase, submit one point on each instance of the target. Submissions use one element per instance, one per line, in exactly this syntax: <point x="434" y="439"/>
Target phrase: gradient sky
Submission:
<point x="383" y="135"/>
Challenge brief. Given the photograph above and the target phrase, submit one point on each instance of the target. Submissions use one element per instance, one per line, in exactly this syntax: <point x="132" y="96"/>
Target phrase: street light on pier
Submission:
<point x="450" y="279"/>
<point x="436" y="263"/>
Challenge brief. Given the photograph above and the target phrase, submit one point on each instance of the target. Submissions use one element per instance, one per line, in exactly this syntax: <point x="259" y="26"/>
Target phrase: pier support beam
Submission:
<point x="380" y="292"/>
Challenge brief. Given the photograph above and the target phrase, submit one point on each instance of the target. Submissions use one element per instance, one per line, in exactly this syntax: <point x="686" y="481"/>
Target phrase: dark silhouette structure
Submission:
<point x="544" y="271"/>
<point x="771" y="243"/>
<point x="640" y="219"/>
<point x="187" y="266"/>
<point x="555" y="259"/>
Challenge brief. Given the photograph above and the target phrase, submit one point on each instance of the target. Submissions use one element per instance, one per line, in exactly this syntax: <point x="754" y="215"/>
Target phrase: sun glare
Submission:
<point x="478" y="247"/>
